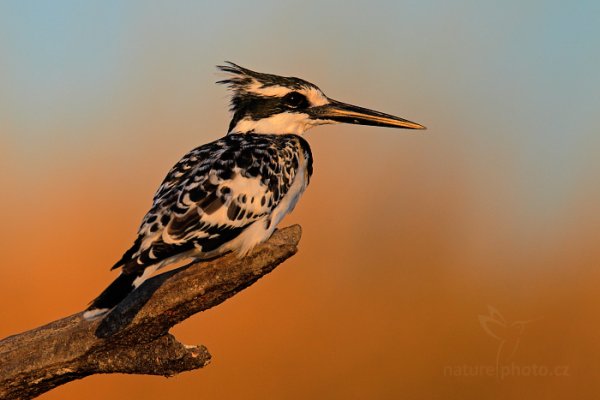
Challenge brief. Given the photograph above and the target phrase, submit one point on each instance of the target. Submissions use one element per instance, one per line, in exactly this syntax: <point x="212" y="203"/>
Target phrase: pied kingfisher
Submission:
<point x="230" y="194"/>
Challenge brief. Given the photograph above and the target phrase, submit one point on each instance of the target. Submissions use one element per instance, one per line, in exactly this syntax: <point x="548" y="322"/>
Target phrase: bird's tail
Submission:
<point x="111" y="296"/>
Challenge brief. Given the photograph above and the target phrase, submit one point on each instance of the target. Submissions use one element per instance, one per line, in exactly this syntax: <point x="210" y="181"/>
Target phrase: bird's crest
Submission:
<point x="242" y="80"/>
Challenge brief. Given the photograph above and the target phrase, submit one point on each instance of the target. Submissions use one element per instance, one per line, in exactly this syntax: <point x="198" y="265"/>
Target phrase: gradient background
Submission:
<point x="408" y="237"/>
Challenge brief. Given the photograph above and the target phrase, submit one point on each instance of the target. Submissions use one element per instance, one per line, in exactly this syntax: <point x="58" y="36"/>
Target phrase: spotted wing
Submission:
<point x="212" y="194"/>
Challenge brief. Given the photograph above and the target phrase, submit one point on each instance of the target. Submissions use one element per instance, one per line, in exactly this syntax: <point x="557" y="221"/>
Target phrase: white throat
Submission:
<point x="279" y="124"/>
<point x="284" y="123"/>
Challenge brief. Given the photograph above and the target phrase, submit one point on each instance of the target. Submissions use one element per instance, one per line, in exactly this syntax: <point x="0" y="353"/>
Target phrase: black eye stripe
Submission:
<point x="295" y="100"/>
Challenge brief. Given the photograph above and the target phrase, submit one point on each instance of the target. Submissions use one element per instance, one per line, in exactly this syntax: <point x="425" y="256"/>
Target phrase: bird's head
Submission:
<point x="271" y="104"/>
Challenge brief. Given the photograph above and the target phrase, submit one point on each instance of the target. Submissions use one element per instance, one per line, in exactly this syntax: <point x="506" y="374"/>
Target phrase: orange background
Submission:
<point x="408" y="237"/>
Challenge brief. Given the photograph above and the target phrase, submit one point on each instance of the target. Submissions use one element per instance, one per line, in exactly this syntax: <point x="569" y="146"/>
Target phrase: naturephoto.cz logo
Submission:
<point x="508" y="335"/>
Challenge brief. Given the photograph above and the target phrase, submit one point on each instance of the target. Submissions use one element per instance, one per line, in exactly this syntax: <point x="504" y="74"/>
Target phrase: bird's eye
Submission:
<point x="295" y="100"/>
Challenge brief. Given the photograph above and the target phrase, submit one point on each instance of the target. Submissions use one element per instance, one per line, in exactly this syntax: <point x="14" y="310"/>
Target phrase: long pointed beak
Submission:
<point x="347" y="113"/>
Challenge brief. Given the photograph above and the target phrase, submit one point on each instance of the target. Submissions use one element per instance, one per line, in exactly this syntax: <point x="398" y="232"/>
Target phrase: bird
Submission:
<point x="230" y="194"/>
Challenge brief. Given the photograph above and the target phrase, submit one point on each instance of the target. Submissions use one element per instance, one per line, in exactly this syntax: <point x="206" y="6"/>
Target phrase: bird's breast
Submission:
<point x="262" y="229"/>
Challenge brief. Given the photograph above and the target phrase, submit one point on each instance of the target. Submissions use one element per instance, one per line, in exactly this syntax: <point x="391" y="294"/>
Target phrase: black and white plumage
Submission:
<point x="230" y="194"/>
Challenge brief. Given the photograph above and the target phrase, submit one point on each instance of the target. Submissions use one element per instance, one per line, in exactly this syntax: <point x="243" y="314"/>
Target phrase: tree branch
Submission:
<point x="133" y="338"/>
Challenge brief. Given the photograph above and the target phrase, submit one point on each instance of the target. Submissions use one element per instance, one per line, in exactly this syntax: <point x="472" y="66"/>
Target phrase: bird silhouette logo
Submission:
<point x="508" y="334"/>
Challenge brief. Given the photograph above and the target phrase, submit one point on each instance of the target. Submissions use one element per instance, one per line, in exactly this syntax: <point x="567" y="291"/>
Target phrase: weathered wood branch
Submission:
<point x="134" y="337"/>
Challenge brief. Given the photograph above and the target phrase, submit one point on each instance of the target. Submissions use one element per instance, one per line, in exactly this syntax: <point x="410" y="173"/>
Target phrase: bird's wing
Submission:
<point x="211" y="195"/>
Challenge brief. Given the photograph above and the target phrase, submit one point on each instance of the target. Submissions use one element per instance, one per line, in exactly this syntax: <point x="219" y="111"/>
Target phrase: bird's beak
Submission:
<point x="341" y="112"/>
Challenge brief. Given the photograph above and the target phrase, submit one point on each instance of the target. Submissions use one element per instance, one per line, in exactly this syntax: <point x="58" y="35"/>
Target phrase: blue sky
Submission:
<point x="514" y="85"/>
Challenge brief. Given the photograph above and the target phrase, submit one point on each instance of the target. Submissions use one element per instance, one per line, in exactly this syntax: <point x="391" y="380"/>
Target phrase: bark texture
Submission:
<point x="133" y="338"/>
